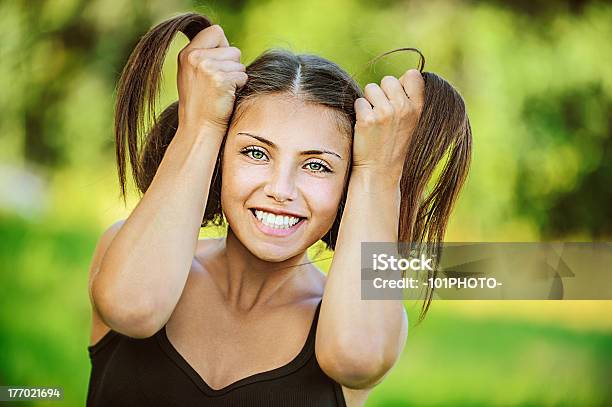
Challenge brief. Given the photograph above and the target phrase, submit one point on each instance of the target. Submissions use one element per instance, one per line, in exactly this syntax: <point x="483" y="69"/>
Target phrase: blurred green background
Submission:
<point x="537" y="79"/>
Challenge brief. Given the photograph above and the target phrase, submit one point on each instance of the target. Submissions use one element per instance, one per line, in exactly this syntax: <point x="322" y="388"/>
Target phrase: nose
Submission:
<point x="281" y="186"/>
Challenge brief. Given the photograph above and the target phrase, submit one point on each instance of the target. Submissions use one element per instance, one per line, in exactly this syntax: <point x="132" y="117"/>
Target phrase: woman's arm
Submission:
<point x="358" y="341"/>
<point x="145" y="268"/>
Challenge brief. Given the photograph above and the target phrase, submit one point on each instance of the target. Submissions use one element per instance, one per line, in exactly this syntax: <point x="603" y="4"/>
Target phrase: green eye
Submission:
<point x="316" y="166"/>
<point x="254" y="153"/>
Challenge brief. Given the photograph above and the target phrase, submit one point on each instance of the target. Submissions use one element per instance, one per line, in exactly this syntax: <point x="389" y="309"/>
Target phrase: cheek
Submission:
<point x="323" y="199"/>
<point x="238" y="180"/>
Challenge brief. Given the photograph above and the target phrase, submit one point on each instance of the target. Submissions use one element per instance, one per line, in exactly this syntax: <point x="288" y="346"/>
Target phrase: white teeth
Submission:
<point x="276" y="221"/>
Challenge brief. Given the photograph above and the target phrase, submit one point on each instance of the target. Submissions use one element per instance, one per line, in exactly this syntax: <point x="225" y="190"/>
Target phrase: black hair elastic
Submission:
<point x="421" y="59"/>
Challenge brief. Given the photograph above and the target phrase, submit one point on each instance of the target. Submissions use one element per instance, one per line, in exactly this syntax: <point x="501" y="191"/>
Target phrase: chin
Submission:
<point x="266" y="245"/>
<point x="271" y="253"/>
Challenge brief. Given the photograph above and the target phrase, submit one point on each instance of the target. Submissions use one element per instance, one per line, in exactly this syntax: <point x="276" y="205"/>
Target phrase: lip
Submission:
<point x="267" y="230"/>
<point x="277" y="211"/>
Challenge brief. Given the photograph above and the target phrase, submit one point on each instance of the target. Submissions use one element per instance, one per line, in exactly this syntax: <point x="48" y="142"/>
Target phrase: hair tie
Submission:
<point x="421" y="57"/>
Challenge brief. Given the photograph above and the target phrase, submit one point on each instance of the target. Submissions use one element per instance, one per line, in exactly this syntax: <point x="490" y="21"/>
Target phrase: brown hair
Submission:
<point x="443" y="129"/>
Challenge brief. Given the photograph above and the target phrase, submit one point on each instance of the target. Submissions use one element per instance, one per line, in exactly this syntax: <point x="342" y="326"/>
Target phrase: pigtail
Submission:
<point x="443" y="131"/>
<point x="137" y="94"/>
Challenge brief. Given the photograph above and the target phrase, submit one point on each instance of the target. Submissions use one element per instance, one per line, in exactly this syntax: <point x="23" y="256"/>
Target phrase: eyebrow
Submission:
<point x="307" y="152"/>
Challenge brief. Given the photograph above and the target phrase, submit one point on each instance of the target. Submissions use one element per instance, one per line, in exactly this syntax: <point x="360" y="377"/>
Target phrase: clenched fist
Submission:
<point x="385" y="121"/>
<point x="209" y="73"/>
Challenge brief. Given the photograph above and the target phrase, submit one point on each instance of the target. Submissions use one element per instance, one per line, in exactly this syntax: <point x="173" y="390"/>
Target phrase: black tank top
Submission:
<point x="128" y="371"/>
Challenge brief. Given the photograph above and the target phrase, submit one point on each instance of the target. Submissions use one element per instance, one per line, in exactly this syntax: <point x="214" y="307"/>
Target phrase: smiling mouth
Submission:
<point x="272" y="225"/>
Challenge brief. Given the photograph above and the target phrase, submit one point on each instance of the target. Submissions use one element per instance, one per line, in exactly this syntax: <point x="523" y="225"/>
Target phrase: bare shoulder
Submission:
<point x="99" y="328"/>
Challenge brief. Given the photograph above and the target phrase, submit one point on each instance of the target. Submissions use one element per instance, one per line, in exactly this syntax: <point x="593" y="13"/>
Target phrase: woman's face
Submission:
<point x="284" y="161"/>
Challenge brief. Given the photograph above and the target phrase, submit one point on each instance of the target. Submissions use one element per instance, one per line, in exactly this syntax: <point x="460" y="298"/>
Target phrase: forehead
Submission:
<point x="292" y="123"/>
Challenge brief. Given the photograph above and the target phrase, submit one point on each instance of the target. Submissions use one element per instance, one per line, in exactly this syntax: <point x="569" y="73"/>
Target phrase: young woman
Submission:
<point x="289" y="151"/>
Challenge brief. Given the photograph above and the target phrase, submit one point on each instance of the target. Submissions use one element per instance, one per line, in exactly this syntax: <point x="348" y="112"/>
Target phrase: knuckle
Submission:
<point x="192" y="57"/>
<point x="242" y="77"/>
<point x="388" y="79"/>
<point x="216" y="28"/>
<point x="184" y="56"/>
<point x="206" y="65"/>
<point x="359" y="101"/>
<point x="367" y="120"/>
<point x="218" y="77"/>
<point x="223" y="80"/>
<point x="386" y="112"/>
<point x="370" y="86"/>
<point x="413" y="72"/>
<point x="236" y="51"/>
<point x="382" y="120"/>
<point x="414" y="75"/>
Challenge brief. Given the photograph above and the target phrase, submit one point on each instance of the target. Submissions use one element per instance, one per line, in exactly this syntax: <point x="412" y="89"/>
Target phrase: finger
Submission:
<point x="414" y="86"/>
<point x="377" y="98"/>
<point x="393" y="90"/>
<point x="238" y="78"/>
<point x="375" y="95"/>
<point x="225" y="53"/>
<point x="219" y="54"/>
<point x="210" y="37"/>
<point x="363" y="109"/>
<point x="224" y="66"/>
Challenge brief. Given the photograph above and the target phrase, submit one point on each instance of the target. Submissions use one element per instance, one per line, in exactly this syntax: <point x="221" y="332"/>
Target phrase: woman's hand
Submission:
<point x="386" y="119"/>
<point x="209" y="72"/>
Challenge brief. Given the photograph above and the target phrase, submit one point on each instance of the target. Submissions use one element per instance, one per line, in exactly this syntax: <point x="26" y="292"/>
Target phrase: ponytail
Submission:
<point x="137" y="93"/>
<point x="443" y="131"/>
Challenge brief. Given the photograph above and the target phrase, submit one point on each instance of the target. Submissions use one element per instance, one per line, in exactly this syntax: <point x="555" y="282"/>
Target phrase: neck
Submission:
<point x="247" y="281"/>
